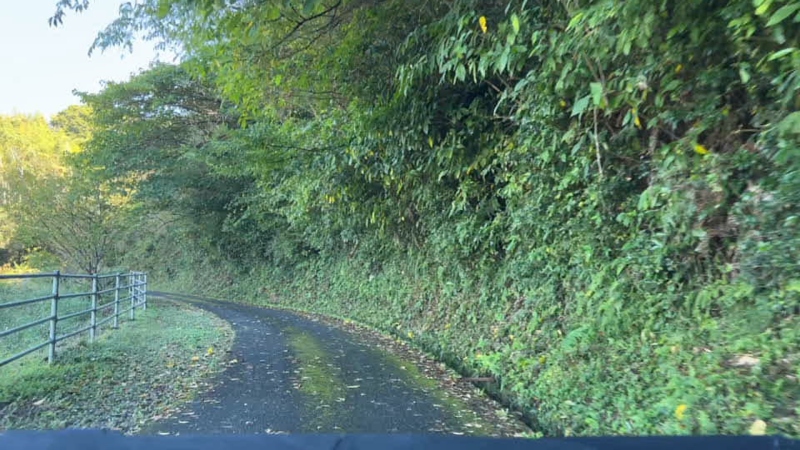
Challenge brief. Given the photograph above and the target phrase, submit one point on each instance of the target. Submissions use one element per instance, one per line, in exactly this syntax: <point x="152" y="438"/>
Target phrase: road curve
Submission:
<point x="290" y="374"/>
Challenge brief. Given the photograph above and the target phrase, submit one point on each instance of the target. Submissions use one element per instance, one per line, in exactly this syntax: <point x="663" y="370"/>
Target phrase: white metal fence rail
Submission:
<point x="111" y="296"/>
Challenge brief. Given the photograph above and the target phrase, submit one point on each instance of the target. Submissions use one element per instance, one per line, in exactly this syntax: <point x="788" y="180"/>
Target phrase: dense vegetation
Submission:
<point x="49" y="201"/>
<point x="595" y="202"/>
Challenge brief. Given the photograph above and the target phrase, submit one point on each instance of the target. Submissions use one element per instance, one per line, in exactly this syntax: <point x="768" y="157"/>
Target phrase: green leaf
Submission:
<point x="762" y="8"/>
<point x="309" y="5"/>
<point x="461" y="72"/>
<point x="597" y="93"/>
<point x="502" y="63"/>
<point x="515" y="23"/>
<point x="580" y="106"/>
<point x="793" y="286"/>
<point x="273" y="13"/>
<point x="781" y="14"/>
<point x="780" y="53"/>
<point x="163" y="8"/>
<point x="575" y="20"/>
<point x="790" y="124"/>
<point x="744" y="75"/>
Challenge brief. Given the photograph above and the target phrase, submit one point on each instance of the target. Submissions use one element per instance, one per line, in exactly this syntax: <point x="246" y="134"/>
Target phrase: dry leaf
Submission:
<point x="744" y="361"/>
<point x="758" y="428"/>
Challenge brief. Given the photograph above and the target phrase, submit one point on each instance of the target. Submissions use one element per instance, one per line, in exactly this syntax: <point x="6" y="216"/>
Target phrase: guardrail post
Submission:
<point x="144" y="291"/>
<point x="93" y="323"/>
<point x="116" y="301"/>
<point x="51" y="354"/>
<point x="133" y="295"/>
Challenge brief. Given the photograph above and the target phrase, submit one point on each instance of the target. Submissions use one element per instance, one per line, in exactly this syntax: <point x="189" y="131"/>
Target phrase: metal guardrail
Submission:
<point x="129" y="292"/>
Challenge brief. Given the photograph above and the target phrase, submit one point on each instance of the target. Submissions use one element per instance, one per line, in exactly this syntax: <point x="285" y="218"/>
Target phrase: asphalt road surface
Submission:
<point x="291" y="374"/>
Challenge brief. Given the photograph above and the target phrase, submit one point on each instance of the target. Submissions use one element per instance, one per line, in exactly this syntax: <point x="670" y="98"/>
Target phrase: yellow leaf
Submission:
<point x="680" y="411"/>
<point x="758" y="428"/>
<point x="411" y="335"/>
<point x="679" y="68"/>
<point x="430" y="141"/>
<point x="210" y="351"/>
<point x="637" y="122"/>
<point x="482" y="22"/>
<point x="195" y="358"/>
<point x="700" y="149"/>
<point x="563" y="104"/>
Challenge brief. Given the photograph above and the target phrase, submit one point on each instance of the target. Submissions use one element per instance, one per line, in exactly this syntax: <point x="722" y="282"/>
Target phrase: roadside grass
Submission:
<point x="14" y="290"/>
<point x="27" y="289"/>
<point x="142" y="372"/>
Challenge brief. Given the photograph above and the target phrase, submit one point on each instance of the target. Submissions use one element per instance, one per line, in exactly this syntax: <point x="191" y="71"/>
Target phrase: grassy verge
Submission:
<point x="26" y="289"/>
<point x="139" y="373"/>
<point x="15" y="290"/>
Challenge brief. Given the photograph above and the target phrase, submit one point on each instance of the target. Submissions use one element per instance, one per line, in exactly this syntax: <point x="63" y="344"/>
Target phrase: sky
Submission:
<point x="40" y="65"/>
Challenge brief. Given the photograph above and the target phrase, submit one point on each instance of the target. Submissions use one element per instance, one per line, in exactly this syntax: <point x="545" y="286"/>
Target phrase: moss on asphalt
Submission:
<point x="458" y="408"/>
<point x="320" y="379"/>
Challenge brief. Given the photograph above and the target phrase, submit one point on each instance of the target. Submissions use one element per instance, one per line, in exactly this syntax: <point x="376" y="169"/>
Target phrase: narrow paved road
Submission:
<point x="288" y="373"/>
